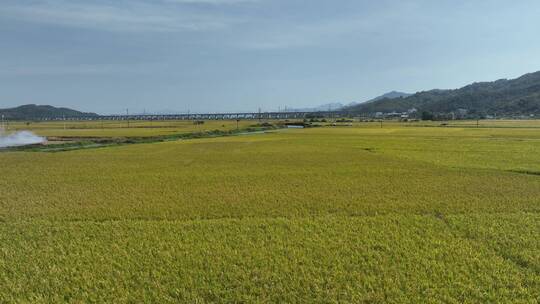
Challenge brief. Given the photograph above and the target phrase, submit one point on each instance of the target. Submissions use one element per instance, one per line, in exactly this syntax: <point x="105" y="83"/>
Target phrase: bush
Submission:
<point x="427" y="115"/>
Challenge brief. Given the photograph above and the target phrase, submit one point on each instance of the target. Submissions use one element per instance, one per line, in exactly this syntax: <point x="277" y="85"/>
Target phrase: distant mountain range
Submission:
<point x="336" y="106"/>
<point x="32" y="111"/>
<point x="502" y="97"/>
<point x="520" y="96"/>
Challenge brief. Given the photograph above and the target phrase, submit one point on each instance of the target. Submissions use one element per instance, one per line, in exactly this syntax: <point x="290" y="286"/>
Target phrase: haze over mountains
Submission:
<point x="336" y="106"/>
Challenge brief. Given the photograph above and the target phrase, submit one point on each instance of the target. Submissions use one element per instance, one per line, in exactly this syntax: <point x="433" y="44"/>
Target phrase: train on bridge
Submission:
<point x="210" y="116"/>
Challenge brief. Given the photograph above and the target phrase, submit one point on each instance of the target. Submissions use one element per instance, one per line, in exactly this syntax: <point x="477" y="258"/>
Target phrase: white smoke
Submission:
<point x="21" y="138"/>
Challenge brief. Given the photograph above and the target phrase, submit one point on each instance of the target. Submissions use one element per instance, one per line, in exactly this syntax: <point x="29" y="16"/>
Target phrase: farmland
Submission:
<point x="122" y="128"/>
<point x="404" y="213"/>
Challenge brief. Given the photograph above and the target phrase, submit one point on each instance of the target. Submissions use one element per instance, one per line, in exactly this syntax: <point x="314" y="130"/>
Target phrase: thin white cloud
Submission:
<point x="336" y="31"/>
<point x="118" y="16"/>
<point x="79" y="69"/>
<point x="305" y="35"/>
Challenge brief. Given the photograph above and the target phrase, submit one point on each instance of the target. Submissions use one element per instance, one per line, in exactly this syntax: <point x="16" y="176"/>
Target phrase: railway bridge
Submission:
<point x="209" y="116"/>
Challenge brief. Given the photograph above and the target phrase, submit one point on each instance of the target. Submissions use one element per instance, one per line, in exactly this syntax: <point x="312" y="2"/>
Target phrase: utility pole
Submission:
<point x="127" y="114"/>
<point x="259" y="114"/>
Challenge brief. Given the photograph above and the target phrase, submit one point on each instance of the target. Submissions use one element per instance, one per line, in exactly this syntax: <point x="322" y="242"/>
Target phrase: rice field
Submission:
<point x="124" y="128"/>
<point x="361" y="214"/>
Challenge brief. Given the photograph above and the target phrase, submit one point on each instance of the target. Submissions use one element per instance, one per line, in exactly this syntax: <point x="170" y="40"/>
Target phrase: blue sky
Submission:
<point x="239" y="55"/>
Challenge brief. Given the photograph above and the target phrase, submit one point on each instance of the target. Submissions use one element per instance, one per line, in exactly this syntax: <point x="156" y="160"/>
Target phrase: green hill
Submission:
<point x="502" y="97"/>
<point x="32" y="111"/>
